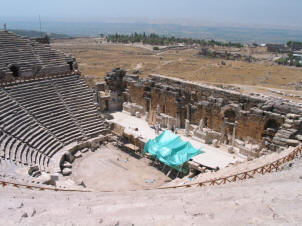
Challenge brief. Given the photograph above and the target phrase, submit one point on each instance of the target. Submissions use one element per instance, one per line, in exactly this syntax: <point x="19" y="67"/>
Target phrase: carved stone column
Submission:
<point x="187" y="128"/>
<point x="234" y="133"/>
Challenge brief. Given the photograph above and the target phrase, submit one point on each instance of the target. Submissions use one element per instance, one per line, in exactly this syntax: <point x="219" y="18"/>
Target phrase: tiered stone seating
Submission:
<point x="41" y="100"/>
<point x="30" y="57"/>
<point x="22" y="134"/>
<point x="79" y="100"/>
<point x="39" y="117"/>
<point x="52" y="60"/>
<point x="16" y="49"/>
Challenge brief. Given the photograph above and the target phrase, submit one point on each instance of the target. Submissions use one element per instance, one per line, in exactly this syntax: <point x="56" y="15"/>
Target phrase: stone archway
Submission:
<point x="70" y="65"/>
<point x="15" y="70"/>
<point x="230" y="115"/>
<point x="2" y="75"/>
<point x="229" y="111"/>
<point x="270" y="128"/>
<point x="229" y="124"/>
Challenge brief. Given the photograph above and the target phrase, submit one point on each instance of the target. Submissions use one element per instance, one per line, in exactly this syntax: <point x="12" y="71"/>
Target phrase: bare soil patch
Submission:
<point x="110" y="169"/>
<point x="96" y="59"/>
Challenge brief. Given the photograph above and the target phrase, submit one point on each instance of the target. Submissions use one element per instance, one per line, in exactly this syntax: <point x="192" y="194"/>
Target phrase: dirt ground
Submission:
<point x="110" y="169"/>
<point x="96" y="58"/>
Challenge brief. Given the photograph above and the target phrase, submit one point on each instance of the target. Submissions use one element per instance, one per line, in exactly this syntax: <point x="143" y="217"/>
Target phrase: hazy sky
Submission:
<point x="275" y="12"/>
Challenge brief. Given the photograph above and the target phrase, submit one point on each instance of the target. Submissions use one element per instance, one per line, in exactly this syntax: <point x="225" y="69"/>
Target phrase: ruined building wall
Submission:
<point x="195" y="102"/>
<point x="254" y="117"/>
<point x="136" y="94"/>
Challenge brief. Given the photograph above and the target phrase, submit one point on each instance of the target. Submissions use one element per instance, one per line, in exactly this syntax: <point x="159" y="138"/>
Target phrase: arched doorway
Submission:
<point x="229" y="126"/>
<point x="15" y="70"/>
<point x="230" y="115"/>
<point x="270" y="128"/>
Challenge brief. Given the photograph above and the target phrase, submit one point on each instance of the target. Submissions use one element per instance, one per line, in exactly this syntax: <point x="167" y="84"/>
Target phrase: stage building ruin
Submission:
<point x="254" y="124"/>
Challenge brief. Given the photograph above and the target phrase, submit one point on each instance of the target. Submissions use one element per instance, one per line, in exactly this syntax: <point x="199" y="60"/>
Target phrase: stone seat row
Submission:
<point x="72" y="89"/>
<point x="37" y="137"/>
<point x="21" y="153"/>
<point x="40" y="107"/>
<point x="27" y="63"/>
<point x="18" y="123"/>
<point x="11" y="146"/>
<point x="38" y="118"/>
<point x="24" y="62"/>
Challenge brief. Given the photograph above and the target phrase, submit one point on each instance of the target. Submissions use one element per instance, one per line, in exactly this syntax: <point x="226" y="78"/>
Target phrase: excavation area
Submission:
<point x="111" y="169"/>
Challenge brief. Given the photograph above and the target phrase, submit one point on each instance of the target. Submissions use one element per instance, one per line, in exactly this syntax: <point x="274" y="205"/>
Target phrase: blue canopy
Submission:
<point x="170" y="149"/>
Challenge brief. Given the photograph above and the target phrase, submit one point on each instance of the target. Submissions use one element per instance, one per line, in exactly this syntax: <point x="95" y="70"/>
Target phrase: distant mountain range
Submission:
<point x="220" y="33"/>
<point x="38" y="34"/>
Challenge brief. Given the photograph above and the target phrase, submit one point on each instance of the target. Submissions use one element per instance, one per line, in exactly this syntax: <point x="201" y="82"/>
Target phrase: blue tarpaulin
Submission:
<point x="170" y="149"/>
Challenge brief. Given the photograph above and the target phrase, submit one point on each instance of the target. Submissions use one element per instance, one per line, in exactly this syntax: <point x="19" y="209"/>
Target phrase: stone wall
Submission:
<point x="273" y="123"/>
<point x="136" y="94"/>
<point x="133" y="109"/>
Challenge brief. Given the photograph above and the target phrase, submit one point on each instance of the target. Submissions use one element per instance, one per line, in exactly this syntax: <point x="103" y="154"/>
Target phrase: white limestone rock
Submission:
<point x="66" y="171"/>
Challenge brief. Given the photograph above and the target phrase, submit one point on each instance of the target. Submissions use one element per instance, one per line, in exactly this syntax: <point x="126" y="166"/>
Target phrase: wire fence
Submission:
<point x="268" y="168"/>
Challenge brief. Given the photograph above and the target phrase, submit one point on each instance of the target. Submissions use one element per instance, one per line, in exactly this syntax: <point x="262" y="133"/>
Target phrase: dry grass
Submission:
<point x="95" y="60"/>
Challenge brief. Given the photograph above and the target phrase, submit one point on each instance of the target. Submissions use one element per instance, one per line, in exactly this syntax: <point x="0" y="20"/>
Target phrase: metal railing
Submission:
<point x="267" y="168"/>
